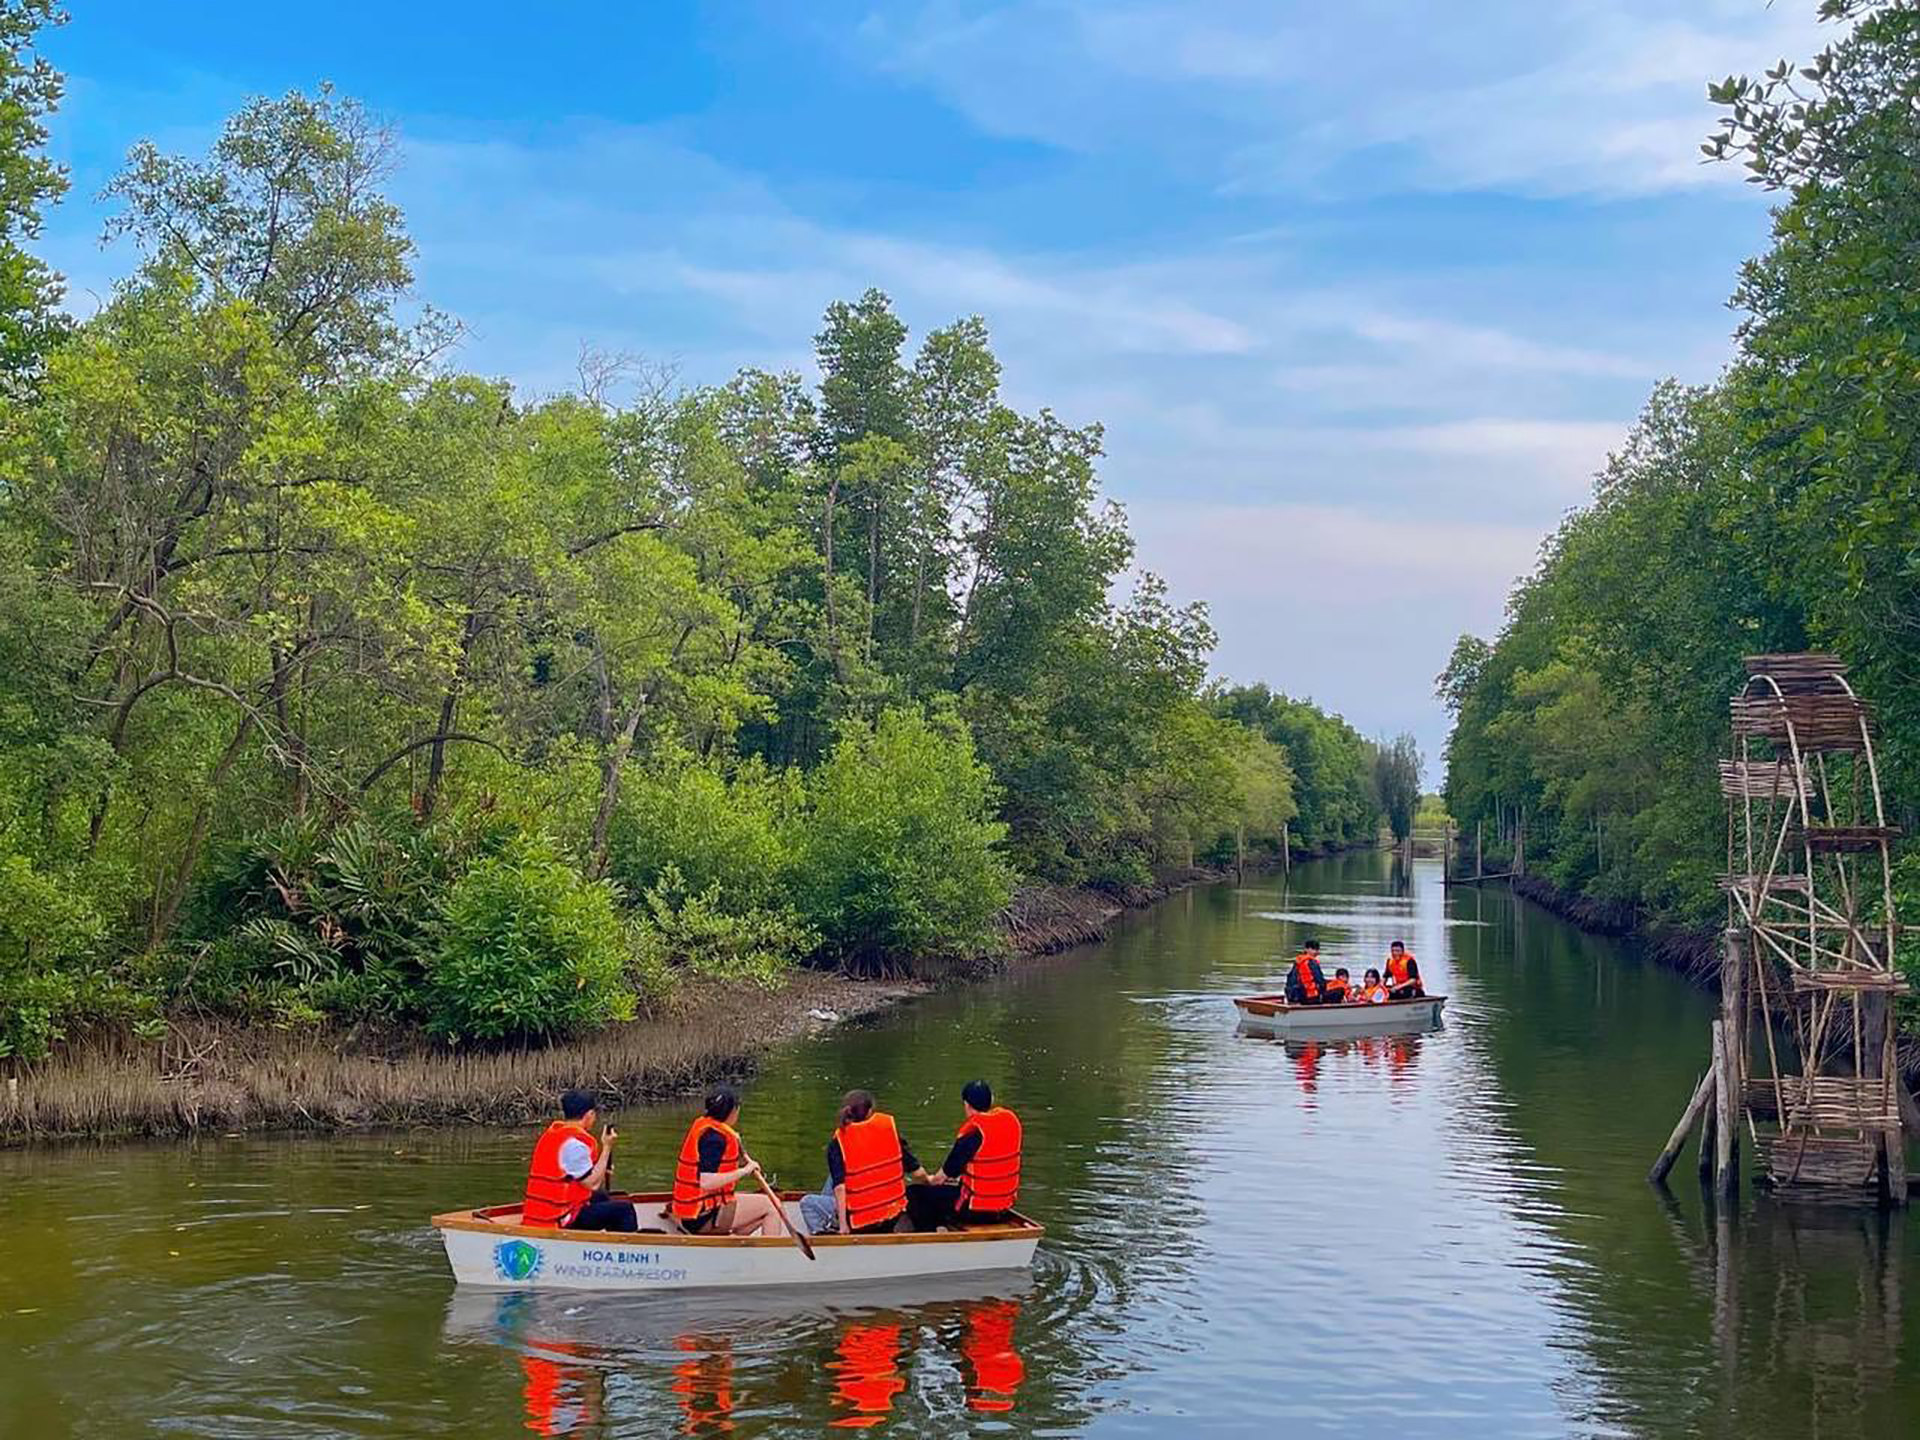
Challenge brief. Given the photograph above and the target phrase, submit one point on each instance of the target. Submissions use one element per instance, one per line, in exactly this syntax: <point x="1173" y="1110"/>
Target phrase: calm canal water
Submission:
<point x="1420" y="1237"/>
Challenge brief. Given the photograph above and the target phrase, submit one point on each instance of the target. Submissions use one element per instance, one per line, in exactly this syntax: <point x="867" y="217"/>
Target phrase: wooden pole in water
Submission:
<point x="1726" y="1140"/>
<point x="1479" y="851"/>
<point x="1446" y="857"/>
<point x="1690" y="1117"/>
<point x="1286" y="847"/>
<point x="1733" y="1011"/>
<point x="1709" y="1128"/>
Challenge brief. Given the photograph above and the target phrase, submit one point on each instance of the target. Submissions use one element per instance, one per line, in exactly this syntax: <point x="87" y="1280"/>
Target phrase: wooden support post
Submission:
<point x="1726" y="1141"/>
<point x="1446" y="857"/>
<point x="1479" y="851"/>
<point x="1690" y="1117"/>
<point x="1710" y="1128"/>
<point x="1286" y="847"/>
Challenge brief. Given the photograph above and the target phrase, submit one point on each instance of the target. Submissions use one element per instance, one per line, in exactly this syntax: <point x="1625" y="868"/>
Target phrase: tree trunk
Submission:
<point x="873" y="567"/>
<point x="449" y="713"/>
<point x="826" y="548"/>
<point x="169" y="908"/>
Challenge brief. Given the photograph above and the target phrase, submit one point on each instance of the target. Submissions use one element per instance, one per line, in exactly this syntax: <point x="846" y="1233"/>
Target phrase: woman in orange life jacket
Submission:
<point x="1403" y="973"/>
<point x="1374" y="992"/>
<point x="869" y="1165"/>
<point x="567" y="1179"/>
<point x="979" y="1181"/>
<point x="1340" y="987"/>
<point x="712" y="1162"/>
<point x="1306" y="985"/>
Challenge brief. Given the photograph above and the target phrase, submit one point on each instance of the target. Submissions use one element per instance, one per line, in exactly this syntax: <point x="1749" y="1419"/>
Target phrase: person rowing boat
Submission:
<point x="712" y="1162"/>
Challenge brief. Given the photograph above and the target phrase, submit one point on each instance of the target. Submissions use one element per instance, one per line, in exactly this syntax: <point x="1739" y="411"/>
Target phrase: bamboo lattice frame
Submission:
<point x="1809" y="878"/>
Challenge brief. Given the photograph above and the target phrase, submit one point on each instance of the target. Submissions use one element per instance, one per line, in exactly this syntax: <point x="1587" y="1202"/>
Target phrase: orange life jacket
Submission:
<point x="992" y="1179"/>
<point x="1337" y="989"/>
<point x="1303" y="964"/>
<point x="552" y="1198"/>
<point x="876" y="1177"/>
<point x="689" y="1203"/>
<point x="1399" y="970"/>
<point x="1373" y="995"/>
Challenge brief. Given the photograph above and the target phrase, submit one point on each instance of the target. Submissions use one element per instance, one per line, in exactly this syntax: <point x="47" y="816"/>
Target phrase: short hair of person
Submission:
<point x="1342" y="973"/>
<point x="1311" y="945"/>
<point x="575" y="1104"/>
<point x="1398" y="945"/>
<point x="721" y="1102"/>
<point x="978" y="1094"/>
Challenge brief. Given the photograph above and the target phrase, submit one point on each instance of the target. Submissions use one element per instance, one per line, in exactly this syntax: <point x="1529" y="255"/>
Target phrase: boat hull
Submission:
<point x="486" y="1248"/>
<point x="1271" y="1015"/>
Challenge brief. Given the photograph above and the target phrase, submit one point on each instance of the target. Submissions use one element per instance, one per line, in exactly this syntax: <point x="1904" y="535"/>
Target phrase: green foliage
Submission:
<point x="333" y="686"/>
<point x="700" y="932"/>
<point x="531" y="949"/>
<point x="1777" y="510"/>
<point x="900" y="855"/>
<point x="1396" y="782"/>
<point x="29" y="90"/>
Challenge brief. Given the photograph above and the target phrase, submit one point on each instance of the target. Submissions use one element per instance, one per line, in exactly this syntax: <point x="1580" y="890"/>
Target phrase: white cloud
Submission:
<point x="1562" y="98"/>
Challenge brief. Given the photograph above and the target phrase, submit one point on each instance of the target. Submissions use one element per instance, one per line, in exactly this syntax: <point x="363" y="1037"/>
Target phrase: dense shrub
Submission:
<point x="700" y="933"/>
<point x="46" y="935"/>
<point x="901" y="853"/>
<point x="530" y="949"/>
<point x="727" y="838"/>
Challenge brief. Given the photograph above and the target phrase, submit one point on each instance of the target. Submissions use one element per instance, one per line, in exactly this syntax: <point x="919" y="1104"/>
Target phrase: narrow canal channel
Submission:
<point x="1430" y="1236"/>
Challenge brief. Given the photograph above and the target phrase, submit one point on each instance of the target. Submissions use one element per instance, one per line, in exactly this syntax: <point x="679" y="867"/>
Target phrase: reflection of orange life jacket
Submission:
<point x="876" y="1179"/>
<point x="1399" y="971"/>
<point x="552" y="1198"/>
<point x="688" y="1202"/>
<point x="705" y="1383"/>
<point x="1337" y="989"/>
<point x="992" y="1178"/>
<point x="560" y="1398"/>
<point x="868" y="1368"/>
<point x="997" y="1366"/>
<point x="1303" y="964"/>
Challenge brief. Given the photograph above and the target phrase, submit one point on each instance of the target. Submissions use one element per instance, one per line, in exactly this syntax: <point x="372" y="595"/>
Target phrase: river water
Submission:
<point x="1428" y="1236"/>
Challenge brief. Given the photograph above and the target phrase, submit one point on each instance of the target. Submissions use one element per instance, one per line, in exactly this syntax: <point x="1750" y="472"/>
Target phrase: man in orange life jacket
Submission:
<point x="567" y="1181"/>
<point x="1306" y="985"/>
<point x="979" y="1181"/>
<point x="1403" y="973"/>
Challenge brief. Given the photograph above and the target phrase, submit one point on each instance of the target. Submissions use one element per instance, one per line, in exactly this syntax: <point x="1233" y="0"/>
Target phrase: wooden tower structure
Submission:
<point x="1804" y="1052"/>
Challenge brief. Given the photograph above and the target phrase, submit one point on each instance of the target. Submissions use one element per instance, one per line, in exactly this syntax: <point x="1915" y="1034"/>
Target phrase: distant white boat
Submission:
<point x="1272" y="1015"/>
<point x="491" y="1247"/>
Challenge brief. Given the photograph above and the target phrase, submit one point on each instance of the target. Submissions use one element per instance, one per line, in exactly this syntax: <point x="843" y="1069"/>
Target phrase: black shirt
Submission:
<point x="713" y="1150"/>
<point x="962" y="1153"/>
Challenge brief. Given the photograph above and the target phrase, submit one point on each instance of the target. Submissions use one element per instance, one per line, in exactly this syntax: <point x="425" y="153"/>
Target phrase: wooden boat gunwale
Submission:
<point x="1266" y="1005"/>
<point x="481" y="1221"/>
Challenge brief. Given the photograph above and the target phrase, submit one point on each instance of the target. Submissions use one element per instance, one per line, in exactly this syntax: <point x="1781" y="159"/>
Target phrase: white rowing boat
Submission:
<point x="491" y="1247"/>
<point x="1272" y="1015"/>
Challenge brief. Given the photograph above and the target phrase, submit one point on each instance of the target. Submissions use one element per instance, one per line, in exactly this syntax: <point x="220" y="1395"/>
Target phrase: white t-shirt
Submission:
<point x="575" y="1159"/>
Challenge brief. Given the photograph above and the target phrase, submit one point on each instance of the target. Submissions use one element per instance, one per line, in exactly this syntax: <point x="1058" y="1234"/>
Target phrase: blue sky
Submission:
<point x="1362" y="293"/>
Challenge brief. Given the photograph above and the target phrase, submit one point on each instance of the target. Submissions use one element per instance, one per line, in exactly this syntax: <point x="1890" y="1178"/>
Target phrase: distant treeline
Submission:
<point x="1778" y="509"/>
<point x="334" y="682"/>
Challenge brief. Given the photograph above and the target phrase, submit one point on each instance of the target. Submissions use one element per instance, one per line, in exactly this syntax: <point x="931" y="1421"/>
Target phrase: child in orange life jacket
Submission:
<point x="1340" y="988"/>
<point x="1374" y="992"/>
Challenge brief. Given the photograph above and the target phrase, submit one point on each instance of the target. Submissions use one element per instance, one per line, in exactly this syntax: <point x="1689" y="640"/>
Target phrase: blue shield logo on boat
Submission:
<point x="516" y="1260"/>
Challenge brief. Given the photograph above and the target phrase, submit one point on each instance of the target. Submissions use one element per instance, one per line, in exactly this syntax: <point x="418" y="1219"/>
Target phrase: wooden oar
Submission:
<point x="773" y="1194"/>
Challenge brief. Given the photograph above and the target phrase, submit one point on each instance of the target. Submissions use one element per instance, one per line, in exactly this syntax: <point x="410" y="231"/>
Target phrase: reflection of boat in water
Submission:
<point x="710" y="1347"/>
<point x="491" y="1247"/>
<point x="1271" y="1015"/>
